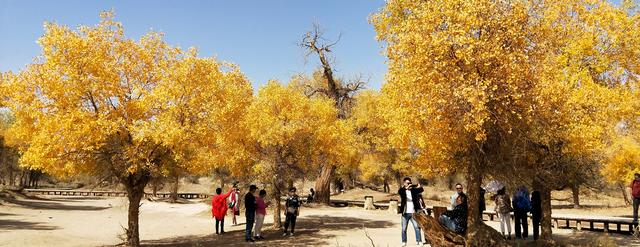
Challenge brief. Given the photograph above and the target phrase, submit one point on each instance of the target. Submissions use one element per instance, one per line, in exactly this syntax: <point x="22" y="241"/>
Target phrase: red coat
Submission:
<point x="635" y="188"/>
<point x="219" y="205"/>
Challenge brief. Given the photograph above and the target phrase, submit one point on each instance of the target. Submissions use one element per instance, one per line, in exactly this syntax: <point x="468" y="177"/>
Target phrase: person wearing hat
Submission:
<point x="292" y="210"/>
<point x="635" y="192"/>
<point x="250" y="211"/>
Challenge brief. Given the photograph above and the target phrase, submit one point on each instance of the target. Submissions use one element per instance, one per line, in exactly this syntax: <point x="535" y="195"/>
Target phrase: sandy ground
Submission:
<point x="95" y="221"/>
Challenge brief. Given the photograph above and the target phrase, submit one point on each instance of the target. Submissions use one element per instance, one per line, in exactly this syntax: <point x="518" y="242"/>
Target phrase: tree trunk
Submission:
<point x="575" y="189"/>
<point x="323" y="184"/>
<point x="174" y="188"/>
<point x="624" y="194"/>
<point x="277" y="210"/>
<point x="545" y="222"/>
<point x="134" y="184"/>
<point x="474" y="181"/>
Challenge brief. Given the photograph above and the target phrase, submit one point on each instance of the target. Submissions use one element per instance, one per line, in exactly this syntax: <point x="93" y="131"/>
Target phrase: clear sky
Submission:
<point x="260" y="36"/>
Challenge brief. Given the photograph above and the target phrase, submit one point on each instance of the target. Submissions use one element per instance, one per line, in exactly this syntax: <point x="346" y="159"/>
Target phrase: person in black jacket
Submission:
<point x="536" y="213"/>
<point x="409" y="204"/>
<point x="250" y="211"/>
<point x="456" y="219"/>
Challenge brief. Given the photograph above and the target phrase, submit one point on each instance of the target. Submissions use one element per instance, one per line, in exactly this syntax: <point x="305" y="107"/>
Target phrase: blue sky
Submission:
<point x="260" y="36"/>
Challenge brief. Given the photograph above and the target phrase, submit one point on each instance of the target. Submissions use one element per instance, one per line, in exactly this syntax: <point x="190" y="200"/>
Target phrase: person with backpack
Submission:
<point x="503" y="211"/>
<point x="219" y="208"/>
<point x="409" y="205"/>
<point x="635" y="193"/>
<point x="292" y="211"/>
<point x="521" y="206"/>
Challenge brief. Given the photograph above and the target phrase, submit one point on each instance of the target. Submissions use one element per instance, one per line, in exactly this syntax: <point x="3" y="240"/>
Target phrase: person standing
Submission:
<point x="233" y="205"/>
<point x="521" y="206"/>
<point x="261" y="212"/>
<point x="536" y="213"/>
<point x="503" y="211"/>
<point x="292" y="211"/>
<point x="409" y="204"/>
<point x="459" y="191"/>
<point x="635" y="194"/>
<point x="483" y="204"/>
<point x="219" y="208"/>
<point x="250" y="211"/>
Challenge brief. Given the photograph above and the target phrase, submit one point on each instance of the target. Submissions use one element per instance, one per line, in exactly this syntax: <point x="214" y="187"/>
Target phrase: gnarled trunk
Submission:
<point x="277" y="210"/>
<point x="134" y="184"/>
<point x="545" y="222"/>
<point x="323" y="184"/>
<point x="174" y="188"/>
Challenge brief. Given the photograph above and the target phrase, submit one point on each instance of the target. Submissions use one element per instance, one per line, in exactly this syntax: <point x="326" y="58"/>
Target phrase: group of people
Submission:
<point x="455" y="219"/>
<point x="520" y="204"/>
<point x="255" y="211"/>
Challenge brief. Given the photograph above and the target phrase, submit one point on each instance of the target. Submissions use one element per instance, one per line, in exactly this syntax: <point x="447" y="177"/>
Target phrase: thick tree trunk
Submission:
<point x="575" y="189"/>
<point x="174" y="188"/>
<point x="277" y="210"/>
<point x="478" y="233"/>
<point x="545" y="222"/>
<point x="134" y="184"/>
<point x="323" y="184"/>
<point x="474" y="181"/>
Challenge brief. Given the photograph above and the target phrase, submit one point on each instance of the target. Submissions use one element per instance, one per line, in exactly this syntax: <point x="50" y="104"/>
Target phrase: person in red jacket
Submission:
<point x="219" y="208"/>
<point x="635" y="193"/>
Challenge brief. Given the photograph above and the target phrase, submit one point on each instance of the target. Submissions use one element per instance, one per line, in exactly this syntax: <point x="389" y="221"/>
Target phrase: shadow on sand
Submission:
<point x="307" y="234"/>
<point x="10" y="225"/>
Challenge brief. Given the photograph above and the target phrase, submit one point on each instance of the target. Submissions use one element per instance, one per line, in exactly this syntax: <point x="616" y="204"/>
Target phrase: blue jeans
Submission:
<point x="405" y="222"/>
<point x="447" y="222"/>
<point x="251" y="217"/>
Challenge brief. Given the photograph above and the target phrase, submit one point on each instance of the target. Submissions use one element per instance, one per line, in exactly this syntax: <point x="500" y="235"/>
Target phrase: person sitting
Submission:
<point x="456" y="219"/>
<point x="311" y="196"/>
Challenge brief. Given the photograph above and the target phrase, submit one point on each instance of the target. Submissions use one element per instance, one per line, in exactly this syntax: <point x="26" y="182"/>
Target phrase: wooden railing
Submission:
<point x="111" y="193"/>
<point x="622" y="225"/>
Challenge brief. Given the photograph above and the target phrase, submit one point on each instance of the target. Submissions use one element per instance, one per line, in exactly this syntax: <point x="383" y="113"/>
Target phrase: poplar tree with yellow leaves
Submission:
<point x="487" y="86"/>
<point x="291" y="134"/>
<point x="380" y="161"/>
<point x="96" y="102"/>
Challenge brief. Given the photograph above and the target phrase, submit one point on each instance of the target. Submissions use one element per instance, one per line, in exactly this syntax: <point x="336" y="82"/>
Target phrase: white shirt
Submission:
<point x="409" y="207"/>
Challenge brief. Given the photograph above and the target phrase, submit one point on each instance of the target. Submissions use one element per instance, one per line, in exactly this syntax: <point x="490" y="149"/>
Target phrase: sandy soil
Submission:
<point x="95" y="221"/>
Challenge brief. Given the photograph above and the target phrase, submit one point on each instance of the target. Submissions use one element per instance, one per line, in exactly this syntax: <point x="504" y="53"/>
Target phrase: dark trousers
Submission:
<point x="636" y="202"/>
<point x="221" y="224"/>
<point x="251" y="218"/>
<point x="290" y="219"/>
<point x="536" y="226"/>
<point x="521" y="219"/>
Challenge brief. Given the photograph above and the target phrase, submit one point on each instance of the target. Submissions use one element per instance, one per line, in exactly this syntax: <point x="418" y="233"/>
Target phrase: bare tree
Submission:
<point x="341" y="93"/>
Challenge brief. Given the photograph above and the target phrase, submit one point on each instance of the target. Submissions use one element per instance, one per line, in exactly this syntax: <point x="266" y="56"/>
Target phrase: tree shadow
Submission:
<point x="9" y="225"/>
<point x="582" y="206"/>
<point x="49" y="205"/>
<point x="309" y="232"/>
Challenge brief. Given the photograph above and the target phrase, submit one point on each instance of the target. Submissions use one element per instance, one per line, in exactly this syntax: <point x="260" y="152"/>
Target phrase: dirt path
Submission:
<point x="95" y="221"/>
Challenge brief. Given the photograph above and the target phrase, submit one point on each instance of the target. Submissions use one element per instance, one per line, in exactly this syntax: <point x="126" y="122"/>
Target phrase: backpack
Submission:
<point x="521" y="200"/>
